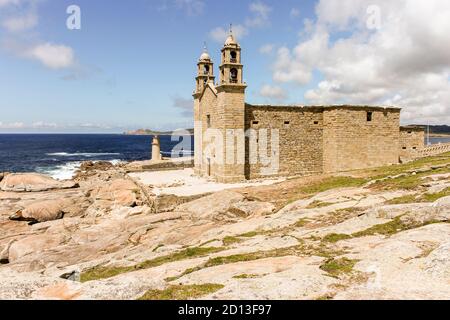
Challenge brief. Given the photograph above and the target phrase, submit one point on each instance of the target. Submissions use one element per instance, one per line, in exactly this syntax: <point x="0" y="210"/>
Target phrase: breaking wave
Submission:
<point x="67" y="171"/>
<point x="81" y="154"/>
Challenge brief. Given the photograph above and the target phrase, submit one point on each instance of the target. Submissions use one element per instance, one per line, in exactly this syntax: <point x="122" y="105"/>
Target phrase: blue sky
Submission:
<point x="133" y="62"/>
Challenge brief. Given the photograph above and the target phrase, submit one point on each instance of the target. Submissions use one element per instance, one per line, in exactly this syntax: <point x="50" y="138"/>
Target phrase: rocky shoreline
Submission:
<point x="374" y="234"/>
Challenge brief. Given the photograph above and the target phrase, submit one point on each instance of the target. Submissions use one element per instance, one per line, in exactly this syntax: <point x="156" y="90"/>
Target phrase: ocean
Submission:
<point x="60" y="155"/>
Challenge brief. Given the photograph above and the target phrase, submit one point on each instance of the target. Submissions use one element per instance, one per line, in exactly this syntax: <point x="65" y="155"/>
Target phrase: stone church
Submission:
<point x="236" y="141"/>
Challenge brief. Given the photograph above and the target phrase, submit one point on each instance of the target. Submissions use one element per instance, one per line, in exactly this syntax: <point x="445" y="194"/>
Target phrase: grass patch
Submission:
<point x="436" y="196"/>
<point x="248" y="276"/>
<point x="392" y="227"/>
<point x="326" y="297"/>
<point x="409" y="182"/>
<point x="423" y="198"/>
<point x="387" y="229"/>
<point x="335" y="237"/>
<point x="319" y="204"/>
<point x="301" y="223"/>
<point x="337" y="267"/>
<point x="404" y="200"/>
<point x="382" y="172"/>
<point x="333" y="183"/>
<point x="230" y="240"/>
<point x="320" y="250"/>
<point x="182" y="292"/>
<point x="100" y="272"/>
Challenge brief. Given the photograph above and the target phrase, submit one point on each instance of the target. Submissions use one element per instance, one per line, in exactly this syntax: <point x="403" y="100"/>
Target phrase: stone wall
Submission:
<point x="300" y="139"/>
<point x="360" y="137"/>
<point x="433" y="150"/>
<point x="412" y="140"/>
<point x="231" y="112"/>
<point x="208" y="107"/>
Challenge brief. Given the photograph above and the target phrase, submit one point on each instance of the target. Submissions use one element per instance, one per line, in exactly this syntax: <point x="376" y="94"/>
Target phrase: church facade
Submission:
<point x="236" y="141"/>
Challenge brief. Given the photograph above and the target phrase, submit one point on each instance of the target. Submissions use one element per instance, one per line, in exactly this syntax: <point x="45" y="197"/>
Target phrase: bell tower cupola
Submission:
<point x="231" y="68"/>
<point x="205" y="71"/>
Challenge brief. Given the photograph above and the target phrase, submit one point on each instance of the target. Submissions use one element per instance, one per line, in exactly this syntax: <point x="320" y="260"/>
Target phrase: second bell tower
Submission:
<point x="231" y="105"/>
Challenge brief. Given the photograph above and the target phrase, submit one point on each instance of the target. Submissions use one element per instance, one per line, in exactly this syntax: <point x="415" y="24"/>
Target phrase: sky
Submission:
<point x="122" y="65"/>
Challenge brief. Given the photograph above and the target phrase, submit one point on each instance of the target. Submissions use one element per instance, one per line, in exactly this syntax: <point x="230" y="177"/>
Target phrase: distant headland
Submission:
<point x="149" y="132"/>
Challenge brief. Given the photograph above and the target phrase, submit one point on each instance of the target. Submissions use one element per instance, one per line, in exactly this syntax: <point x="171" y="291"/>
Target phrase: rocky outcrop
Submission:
<point x="225" y="206"/>
<point x="41" y="211"/>
<point x="33" y="182"/>
<point x="106" y="240"/>
<point x="120" y="192"/>
<point x="2" y="175"/>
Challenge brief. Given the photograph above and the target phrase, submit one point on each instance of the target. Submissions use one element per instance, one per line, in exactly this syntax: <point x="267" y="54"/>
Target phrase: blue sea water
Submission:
<point x="59" y="155"/>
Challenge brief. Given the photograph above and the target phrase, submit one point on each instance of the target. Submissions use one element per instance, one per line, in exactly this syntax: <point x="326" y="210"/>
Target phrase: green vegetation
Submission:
<point x="337" y="267"/>
<point x="333" y="183"/>
<point x="320" y="250"/>
<point x="230" y="240"/>
<point x="407" y="182"/>
<point x="420" y="198"/>
<point x="318" y="204"/>
<point x="100" y="272"/>
<point x="404" y="200"/>
<point x="436" y="196"/>
<point x="392" y="227"/>
<point x="301" y="223"/>
<point x="382" y="172"/>
<point x="182" y="292"/>
<point x="387" y="229"/>
<point x="325" y="297"/>
<point x="248" y="276"/>
<point x="334" y="237"/>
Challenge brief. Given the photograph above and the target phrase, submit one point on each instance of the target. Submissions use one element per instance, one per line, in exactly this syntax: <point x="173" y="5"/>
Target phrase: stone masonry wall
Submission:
<point x="300" y="138"/>
<point x="412" y="140"/>
<point x="231" y="112"/>
<point x="208" y="106"/>
<point x="352" y="142"/>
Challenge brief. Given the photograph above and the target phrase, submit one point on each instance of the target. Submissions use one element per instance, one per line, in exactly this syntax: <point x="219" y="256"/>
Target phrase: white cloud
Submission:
<point x="4" y="3"/>
<point x="219" y="34"/>
<point x="294" y="13"/>
<point x="191" y="7"/>
<point x="273" y="92"/>
<point x="43" y="125"/>
<point x="259" y="18"/>
<point x="406" y="62"/>
<point x="13" y="125"/>
<point x="21" y="23"/>
<point x="53" y="56"/>
<point x="266" y="49"/>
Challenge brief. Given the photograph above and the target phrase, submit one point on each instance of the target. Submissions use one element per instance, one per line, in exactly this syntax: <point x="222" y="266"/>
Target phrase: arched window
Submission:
<point x="233" y="55"/>
<point x="206" y="70"/>
<point x="234" y="75"/>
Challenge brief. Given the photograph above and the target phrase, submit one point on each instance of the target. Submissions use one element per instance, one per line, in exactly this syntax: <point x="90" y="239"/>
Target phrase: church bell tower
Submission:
<point x="231" y="105"/>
